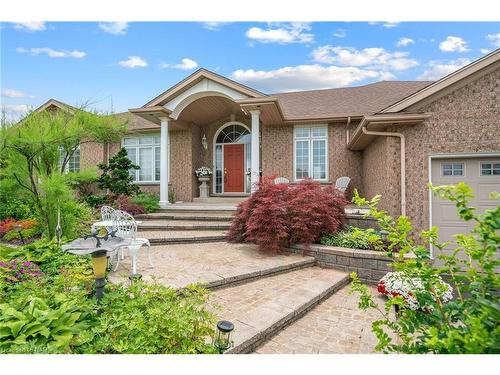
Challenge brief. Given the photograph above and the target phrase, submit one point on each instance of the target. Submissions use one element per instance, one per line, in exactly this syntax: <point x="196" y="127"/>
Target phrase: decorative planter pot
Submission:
<point x="204" y="187"/>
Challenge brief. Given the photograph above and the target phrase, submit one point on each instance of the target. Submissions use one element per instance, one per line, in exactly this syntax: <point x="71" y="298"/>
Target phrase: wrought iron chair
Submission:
<point x="342" y="183"/>
<point x="107" y="213"/>
<point x="281" y="180"/>
<point x="127" y="229"/>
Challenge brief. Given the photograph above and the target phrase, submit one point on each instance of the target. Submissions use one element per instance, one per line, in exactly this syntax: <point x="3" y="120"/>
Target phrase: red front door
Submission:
<point x="234" y="165"/>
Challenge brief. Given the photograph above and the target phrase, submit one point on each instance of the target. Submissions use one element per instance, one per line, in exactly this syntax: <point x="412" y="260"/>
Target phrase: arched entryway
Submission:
<point x="232" y="159"/>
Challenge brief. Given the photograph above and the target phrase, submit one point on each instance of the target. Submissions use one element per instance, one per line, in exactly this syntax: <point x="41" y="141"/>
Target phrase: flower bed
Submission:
<point x="411" y="288"/>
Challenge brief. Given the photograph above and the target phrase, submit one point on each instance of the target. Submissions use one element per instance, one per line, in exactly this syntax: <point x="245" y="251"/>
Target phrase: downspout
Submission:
<point x="403" y="163"/>
<point x="347" y="133"/>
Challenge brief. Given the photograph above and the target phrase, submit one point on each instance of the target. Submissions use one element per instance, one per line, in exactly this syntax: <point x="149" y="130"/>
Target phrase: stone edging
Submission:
<point x="369" y="265"/>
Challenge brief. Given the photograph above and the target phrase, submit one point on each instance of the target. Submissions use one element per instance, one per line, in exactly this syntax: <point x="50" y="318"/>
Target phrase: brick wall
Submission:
<point x="464" y="120"/>
<point x="91" y="154"/>
<point x="181" y="164"/>
<point x="277" y="153"/>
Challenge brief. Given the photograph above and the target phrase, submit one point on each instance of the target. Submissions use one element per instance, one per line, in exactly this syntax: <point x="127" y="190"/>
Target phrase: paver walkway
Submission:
<point x="180" y="265"/>
<point x="334" y="326"/>
<point x="262" y="307"/>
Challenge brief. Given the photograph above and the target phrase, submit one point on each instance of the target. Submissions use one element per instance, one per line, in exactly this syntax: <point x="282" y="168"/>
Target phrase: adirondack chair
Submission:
<point x="342" y="183"/>
<point x="281" y="180"/>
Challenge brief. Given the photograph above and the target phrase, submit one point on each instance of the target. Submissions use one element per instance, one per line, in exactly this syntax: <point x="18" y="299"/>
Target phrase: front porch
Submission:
<point x="207" y="120"/>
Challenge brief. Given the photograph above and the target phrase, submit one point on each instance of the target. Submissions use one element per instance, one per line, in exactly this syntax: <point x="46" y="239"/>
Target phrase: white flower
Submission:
<point x="203" y="172"/>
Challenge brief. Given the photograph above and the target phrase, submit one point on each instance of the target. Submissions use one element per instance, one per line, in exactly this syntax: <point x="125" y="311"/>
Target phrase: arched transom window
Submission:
<point x="233" y="134"/>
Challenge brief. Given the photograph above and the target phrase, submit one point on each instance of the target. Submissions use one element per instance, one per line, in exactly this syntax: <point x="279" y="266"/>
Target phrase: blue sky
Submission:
<point x="117" y="66"/>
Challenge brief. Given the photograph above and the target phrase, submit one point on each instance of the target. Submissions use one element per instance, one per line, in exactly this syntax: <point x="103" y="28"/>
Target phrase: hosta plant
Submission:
<point x="467" y="323"/>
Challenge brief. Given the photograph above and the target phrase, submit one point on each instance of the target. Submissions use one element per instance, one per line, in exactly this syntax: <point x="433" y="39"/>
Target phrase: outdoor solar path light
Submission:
<point x="222" y="339"/>
<point x="19" y="229"/>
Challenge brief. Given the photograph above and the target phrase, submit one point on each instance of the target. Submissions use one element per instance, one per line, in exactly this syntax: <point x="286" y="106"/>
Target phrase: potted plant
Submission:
<point x="413" y="291"/>
<point x="203" y="174"/>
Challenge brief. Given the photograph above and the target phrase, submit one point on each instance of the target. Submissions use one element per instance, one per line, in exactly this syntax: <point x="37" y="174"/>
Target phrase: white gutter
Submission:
<point x="403" y="163"/>
<point x="347" y="133"/>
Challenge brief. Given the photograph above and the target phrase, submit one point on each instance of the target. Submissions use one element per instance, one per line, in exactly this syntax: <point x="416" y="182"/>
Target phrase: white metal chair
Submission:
<point x="342" y="183"/>
<point x="107" y="213"/>
<point x="127" y="229"/>
<point x="281" y="180"/>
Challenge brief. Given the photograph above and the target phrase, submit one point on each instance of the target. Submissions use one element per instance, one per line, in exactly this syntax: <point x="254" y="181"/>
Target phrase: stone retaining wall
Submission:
<point x="369" y="265"/>
<point x="361" y="221"/>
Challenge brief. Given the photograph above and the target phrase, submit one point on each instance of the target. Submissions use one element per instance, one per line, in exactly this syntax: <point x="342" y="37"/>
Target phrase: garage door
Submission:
<point x="482" y="174"/>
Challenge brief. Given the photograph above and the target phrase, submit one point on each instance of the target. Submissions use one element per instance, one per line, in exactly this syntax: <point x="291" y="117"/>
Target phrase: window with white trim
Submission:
<point x="311" y="152"/>
<point x="490" y="169"/>
<point x="144" y="151"/>
<point x="73" y="163"/>
<point x="452" y="169"/>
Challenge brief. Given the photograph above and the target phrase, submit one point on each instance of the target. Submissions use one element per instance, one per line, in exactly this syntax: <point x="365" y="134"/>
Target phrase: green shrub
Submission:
<point x="13" y="235"/>
<point x="355" y="238"/>
<point x="95" y="200"/>
<point x="116" y="175"/>
<point x="150" y="202"/>
<point x="84" y="182"/>
<point x="152" y="318"/>
<point x="469" y="322"/>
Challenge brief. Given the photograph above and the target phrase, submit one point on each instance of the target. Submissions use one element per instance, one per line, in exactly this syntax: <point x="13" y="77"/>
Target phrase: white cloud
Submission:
<point x="186" y="64"/>
<point x="390" y="25"/>
<point x="11" y="93"/>
<point x="453" y="44"/>
<point x="303" y="77"/>
<point x="115" y="28"/>
<point x="404" y="42"/>
<point x="439" y="69"/>
<point x="133" y="62"/>
<point x="52" y="52"/>
<point x="14" y="111"/>
<point x="387" y="25"/>
<point x="495" y="39"/>
<point x="485" y="51"/>
<point x="214" y="26"/>
<point x="295" y="32"/>
<point x="340" y="33"/>
<point x="30" y="26"/>
<point x="374" y="58"/>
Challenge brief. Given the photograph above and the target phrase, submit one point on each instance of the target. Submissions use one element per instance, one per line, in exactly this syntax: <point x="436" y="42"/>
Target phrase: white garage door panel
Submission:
<point x="443" y="213"/>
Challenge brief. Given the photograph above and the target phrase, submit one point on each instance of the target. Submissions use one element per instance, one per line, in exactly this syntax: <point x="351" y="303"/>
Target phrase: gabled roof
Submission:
<point x="347" y="101"/>
<point x="53" y="103"/>
<point x="492" y="60"/>
<point x="196" y="77"/>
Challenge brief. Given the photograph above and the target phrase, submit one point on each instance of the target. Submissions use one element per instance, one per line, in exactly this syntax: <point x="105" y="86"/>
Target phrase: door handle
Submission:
<point x="225" y="175"/>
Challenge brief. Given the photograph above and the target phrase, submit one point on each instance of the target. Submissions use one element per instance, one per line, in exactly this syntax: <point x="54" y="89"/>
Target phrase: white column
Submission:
<point x="164" y="151"/>
<point x="255" y="156"/>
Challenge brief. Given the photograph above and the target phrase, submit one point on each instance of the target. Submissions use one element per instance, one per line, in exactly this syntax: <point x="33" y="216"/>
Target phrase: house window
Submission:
<point x="490" y="169"/>
<point x="144" y="151"/>
<point x="73" y="163"/>
<point x="452" y="169"/>
<point x="311" y="152"/>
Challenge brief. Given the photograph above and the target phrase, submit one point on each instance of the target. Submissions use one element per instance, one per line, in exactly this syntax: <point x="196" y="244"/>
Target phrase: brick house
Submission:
<point x="391" y="138"/>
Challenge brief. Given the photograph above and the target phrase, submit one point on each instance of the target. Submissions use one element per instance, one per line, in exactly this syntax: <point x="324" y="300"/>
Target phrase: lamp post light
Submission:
<point x="222" y="339"/>
<point x="19" y="229"/>
<point x="99" y="251"/>
<point x="383" y="235"/>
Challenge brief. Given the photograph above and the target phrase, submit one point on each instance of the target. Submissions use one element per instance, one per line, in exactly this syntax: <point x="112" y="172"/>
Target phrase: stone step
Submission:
<point x="260" y="309"/>
<point x="169" y="225"/>
<point x="162" y="237"/>
<point x="190" y="216"/>
<point x="213" y="265"/>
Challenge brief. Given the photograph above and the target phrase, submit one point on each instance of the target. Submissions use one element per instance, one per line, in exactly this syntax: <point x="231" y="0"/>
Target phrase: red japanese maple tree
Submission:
<point x="277" y="216"/>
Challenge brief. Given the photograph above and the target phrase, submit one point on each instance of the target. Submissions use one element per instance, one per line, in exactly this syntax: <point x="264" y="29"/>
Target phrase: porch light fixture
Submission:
<point x="222" y="339"/>
<point x="204" y="142"/>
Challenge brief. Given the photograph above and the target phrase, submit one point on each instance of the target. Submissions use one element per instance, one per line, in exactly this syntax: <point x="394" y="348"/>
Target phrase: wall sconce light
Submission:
<point x="204" y="142"/>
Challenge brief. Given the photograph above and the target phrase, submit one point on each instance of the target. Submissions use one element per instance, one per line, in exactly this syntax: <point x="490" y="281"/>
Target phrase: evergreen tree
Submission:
<point x="116" y="175"/>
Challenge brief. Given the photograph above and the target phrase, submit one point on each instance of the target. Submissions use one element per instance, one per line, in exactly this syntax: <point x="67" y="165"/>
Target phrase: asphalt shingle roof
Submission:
<point x="348" y="101"/>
